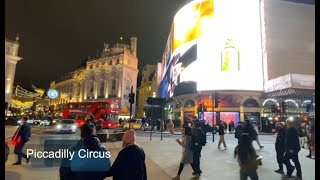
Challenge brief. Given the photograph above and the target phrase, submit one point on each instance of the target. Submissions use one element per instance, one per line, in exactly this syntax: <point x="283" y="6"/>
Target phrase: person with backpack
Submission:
<point x="20" y="138"/>
<point x="198" y="140"/>
<point x="221" y="134"/>
<point x="239" y="130"/>
<point x="280" y="146"/>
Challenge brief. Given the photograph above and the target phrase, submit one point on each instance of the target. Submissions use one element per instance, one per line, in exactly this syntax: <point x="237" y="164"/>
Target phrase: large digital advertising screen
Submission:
<point x="215" y="44"/>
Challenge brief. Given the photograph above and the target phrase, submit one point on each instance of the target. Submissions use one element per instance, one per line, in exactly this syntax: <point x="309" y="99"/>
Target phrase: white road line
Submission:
<point x="232" y="162"/>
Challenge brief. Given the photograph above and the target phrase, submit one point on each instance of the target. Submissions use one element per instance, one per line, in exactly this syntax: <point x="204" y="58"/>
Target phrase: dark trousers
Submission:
<point x="294" y="157"/>
<point x="18" y="151"/>
<point x="196" y="160"/>
<point x="280" y="155"/>
<point x="252" y="174"/>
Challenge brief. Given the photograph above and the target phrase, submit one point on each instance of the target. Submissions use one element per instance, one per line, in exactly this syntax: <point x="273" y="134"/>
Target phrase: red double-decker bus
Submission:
<point x="106" y="110"/>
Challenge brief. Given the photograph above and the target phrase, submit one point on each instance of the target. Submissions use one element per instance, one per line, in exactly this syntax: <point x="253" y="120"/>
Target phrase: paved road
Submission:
<point x="163" y="158"/>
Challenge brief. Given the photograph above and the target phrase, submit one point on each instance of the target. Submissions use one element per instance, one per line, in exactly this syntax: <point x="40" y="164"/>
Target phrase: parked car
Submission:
<point x="44" y="123"/>
<point x="14" y="121"/>
<point x="136" y="124"/>
<point x="6" y="150"/>
<point x="66" y="125"/>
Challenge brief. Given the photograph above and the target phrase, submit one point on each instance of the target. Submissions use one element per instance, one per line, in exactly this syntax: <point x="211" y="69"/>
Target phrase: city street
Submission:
<point x="163" y="158"/>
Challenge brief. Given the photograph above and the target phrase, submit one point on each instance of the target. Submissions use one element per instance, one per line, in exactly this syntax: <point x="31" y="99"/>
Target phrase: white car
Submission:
<point x="45" y="123"/>
<point x="66" y="125"/>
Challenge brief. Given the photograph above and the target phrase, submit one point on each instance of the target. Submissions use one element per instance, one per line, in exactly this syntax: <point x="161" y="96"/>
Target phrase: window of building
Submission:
<point x="90" y="66"/>
<point x="113" y="85"/>
<point x="110" y="62"/>
<point x="118" y="61"/>
<point x="101" y="88"/>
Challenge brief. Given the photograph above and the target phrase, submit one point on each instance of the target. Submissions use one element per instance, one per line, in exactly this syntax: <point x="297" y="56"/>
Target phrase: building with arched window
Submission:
<point x="106" y="77"/>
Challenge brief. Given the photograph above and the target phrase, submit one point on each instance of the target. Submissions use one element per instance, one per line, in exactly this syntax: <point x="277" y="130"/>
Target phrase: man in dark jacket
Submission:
<point x="248" y="128"/>
<point x="280" y="146"/>
<point x="221" y="134"/>
<point x="238" y="131"/>
<point x="20" y="138"/>
<point x="196" y="146"/>
<point x="292" y="148"/>
<point x="92" y="168"/>
<point x="91" y="120"/>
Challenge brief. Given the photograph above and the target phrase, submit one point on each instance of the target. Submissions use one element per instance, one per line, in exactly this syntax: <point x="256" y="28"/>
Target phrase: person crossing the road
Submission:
<point x="20" y="138"/>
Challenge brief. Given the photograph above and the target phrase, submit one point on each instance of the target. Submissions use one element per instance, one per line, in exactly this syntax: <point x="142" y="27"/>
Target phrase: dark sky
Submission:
<point x="57" y="35"/>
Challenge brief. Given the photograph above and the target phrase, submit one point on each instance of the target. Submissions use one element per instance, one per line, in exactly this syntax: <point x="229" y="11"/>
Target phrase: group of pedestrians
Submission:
<point x="129" y="164"/>
<point x="193" y="138"/>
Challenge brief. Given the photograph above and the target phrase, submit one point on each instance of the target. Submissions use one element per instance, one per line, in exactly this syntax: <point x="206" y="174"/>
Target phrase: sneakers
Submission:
<point x="298" y="177"/>
<point x="177" y="177"/>
<point x="309" y="156"/>
<point x="219" y="147"/>
<point x="225" y="148"/>
<point x="16" y="163"/>
<point x="261" y="147"/>
<point x="280" y="171"/>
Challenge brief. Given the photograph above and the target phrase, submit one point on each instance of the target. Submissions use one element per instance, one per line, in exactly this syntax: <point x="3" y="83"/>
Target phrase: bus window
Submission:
<point x="72" y="116"/>
<point x="73" y="106"/>
<point x="82" y="106"/>
<point x="114" y="105"/>
<point x="89" y="106"/>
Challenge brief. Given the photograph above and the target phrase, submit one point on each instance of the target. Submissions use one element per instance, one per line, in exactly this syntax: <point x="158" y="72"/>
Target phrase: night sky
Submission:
<point x="57" y="35"/>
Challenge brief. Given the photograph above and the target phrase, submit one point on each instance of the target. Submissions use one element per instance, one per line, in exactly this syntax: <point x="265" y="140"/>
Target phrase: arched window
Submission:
<point x="189" y="103"/>
<point x="250" y="102"/>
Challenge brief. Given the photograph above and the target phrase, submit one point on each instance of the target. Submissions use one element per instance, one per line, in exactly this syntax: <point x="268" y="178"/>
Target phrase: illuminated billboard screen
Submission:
<point x="215" y="44"/>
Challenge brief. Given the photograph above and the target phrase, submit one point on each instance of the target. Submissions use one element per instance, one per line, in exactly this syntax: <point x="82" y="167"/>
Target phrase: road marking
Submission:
<point x="232" y="162"/>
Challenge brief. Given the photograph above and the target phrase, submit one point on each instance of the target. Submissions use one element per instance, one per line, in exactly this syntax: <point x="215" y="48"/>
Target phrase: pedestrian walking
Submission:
<point x="199" y="139"/>
<point x="99" y="125"/>
<point x="83" y="168"/>
<point x="91" y="120"/>
<point x="239" y="130"/>
<point x="187" y="154"/>
<point x="311" y="141"/>
<point x="229" y="127"/>
<point x="20" y="138"/>
<point x="221" y="131"/>
<point x="130" y="162"/>
<point x="247" y="158"/>
<point x="256" y="134"/>
<point x="302" y="134"/>
<point x="292" y="148"/>
<point x="280" y="146"/>
<point x="170" y="127"/>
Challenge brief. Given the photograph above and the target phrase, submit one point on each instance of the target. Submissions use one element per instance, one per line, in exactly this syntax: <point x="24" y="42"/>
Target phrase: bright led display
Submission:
<point x="215" y="44"/>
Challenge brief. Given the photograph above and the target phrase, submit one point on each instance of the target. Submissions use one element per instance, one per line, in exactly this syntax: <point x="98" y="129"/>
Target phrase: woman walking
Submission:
<point x="187" y="155"/>
<point x="170" y="127"/>
<point x="247" y="158"/>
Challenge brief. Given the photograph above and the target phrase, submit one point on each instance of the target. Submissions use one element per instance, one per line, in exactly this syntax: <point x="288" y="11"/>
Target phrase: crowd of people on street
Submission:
<point x="131" y="158"/>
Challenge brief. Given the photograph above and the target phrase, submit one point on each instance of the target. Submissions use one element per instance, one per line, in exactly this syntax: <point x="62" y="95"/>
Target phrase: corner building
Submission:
<point x="217" y="48"/>
<point x="11" y="60"/>
<point x="108" y="77"/>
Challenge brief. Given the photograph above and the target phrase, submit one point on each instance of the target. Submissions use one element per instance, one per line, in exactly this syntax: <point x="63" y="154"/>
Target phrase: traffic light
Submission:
<point x="284" y="106"/>
<point x="278" y="109"/>
<point x="131" y="98"/>
<point x="216" y="100"/>
<point x="308" y="108"/>
<point x="201" y="107"/>
<point x="273" y="108"/>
